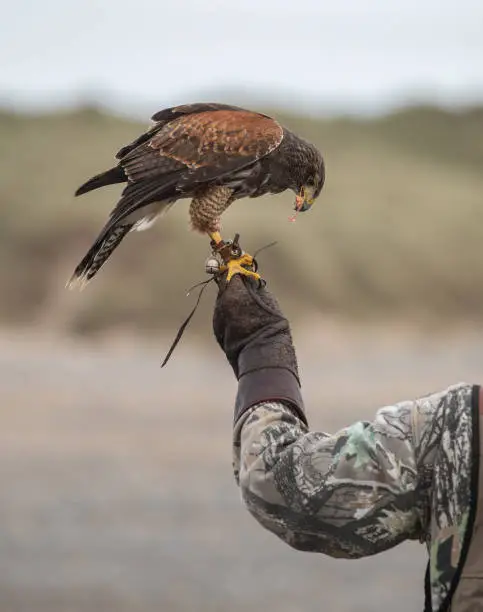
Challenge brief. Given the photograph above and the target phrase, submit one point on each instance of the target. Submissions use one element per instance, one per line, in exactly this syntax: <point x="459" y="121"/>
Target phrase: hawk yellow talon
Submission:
<point x="235" y="266"/>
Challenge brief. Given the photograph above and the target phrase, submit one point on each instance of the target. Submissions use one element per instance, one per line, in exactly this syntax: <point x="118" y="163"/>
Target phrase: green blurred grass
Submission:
<point x="396" y="233"/>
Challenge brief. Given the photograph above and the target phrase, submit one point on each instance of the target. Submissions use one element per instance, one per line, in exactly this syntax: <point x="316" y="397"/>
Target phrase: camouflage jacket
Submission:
<point x="405" y="475"/>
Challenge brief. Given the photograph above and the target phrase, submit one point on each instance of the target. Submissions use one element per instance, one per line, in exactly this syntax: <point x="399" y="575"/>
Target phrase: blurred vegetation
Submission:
<point x="397" y="231"/>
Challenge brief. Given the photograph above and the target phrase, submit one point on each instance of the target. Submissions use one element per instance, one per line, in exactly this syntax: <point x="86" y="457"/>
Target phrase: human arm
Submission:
<point x="351" y="494"/>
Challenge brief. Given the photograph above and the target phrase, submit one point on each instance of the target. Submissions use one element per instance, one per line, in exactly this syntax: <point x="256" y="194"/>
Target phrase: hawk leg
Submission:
<point x="205" y="211"/>
<point x="207" y="207"/>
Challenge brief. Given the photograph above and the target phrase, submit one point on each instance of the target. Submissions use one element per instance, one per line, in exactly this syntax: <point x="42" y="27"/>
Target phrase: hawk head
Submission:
<point x="310" y="178"/>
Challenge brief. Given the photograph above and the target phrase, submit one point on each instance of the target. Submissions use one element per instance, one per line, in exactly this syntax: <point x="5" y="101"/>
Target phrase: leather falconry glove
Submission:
<point x="256" y="339"/>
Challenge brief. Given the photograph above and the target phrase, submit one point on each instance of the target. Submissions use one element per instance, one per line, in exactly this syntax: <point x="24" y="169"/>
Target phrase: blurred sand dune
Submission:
<point x="397" y="232"/>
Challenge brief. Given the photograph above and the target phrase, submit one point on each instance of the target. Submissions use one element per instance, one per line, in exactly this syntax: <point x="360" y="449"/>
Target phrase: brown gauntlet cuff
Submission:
<point x="270" y="384"/>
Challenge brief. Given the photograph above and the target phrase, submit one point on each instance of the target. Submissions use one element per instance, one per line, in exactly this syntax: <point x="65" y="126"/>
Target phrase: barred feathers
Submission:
<point x="97" y="256"/>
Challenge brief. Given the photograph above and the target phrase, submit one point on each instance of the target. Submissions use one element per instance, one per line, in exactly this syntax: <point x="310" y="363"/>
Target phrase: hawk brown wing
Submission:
<point x="213" y="138"/>
<point x="191" y="150"/>
<point x="166" y="115"/>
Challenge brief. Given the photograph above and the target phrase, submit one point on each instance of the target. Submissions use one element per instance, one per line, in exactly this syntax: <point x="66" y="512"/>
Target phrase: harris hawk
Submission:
<point x="212" y="153"/>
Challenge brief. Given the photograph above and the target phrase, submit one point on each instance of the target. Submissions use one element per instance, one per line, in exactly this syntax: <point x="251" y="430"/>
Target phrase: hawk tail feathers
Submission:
<point x="109" y="177"/>
<point x="97" y="255"/>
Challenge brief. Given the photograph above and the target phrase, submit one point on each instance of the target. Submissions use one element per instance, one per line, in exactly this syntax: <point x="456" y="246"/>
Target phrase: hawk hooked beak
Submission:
<point x="304" y="199"/>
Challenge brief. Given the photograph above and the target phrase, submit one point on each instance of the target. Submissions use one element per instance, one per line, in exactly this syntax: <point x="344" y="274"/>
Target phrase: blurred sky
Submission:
<point x="356" y="56"/>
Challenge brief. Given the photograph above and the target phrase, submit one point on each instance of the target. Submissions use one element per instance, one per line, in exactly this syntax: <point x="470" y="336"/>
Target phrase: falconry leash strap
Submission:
<point x="222" y="253"/>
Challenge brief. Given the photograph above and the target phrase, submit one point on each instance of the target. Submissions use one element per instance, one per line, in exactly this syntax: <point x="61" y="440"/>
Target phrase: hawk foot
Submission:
<point x="236" y="266"/>
<point x="229" y="257"/>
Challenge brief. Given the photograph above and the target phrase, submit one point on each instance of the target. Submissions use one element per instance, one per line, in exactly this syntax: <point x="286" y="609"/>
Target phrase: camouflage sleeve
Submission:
<point x="352" y="494"/>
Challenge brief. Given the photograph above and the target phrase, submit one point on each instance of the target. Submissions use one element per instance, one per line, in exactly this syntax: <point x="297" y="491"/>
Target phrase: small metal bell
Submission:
<point x="212" y="265"/>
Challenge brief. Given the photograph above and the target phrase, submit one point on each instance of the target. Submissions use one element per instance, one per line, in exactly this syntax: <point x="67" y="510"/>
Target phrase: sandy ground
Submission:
<point x="116" y="488"/>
